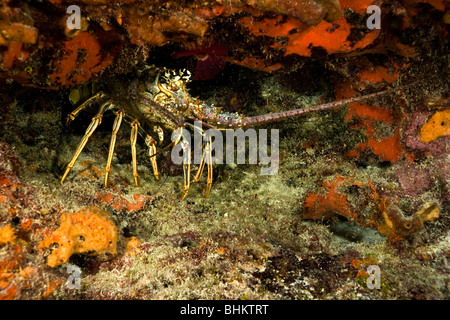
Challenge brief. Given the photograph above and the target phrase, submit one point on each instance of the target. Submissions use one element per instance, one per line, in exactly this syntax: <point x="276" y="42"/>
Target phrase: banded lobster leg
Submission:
<point x="135" y="129"/>
<point x="116" y="127"/>
<point x="186" y="167"/>
<point x="133" y="140"/>
<point x="89" y="102"/>
<point x="96" y="120"/>
<point x="151" y="144"/>
<point x="206" y="159"/>
<point x="186" y="147"/>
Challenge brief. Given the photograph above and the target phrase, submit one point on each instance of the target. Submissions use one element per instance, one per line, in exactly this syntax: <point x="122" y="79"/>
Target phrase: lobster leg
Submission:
<point x="160" y="133"/>
<point x="200" y="168"/>
<point x="133" y="139"/>
<point x="209" y="177"/>
<point x="149" y="141"/>
<point x="186" y="166"/>
<point x="206" y="159"/>
<point x="151" y="144"/>
<point x="96" y="120"/>
<point x="152" y="152"/>
<point x="116" y="126"/>
<point x="84" y="105"/>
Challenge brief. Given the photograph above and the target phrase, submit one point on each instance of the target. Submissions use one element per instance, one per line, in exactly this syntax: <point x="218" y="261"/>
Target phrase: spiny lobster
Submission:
<point x="158" y="98"/>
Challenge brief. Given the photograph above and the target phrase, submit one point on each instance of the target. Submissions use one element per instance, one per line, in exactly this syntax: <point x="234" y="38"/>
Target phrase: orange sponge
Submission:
<point x="437" y="126"/>
<point x="7" y="234"/>
<point x="91" y="229"/>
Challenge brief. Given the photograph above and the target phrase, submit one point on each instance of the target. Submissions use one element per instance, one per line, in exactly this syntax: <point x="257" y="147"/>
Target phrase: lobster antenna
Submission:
<point x="273" y="117"/>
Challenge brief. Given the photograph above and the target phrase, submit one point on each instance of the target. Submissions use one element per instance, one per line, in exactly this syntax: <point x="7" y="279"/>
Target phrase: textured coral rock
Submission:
<point x="379" y="212"/>
<point x="413" y="180"/>
<point x="88" y="230"/>
<point x="307" y="11"/>
<point x="36" y="47"/>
